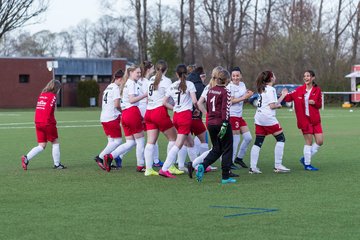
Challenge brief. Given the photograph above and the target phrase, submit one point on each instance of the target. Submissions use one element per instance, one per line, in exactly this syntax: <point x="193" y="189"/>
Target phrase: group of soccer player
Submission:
<point x="139" y="98"/>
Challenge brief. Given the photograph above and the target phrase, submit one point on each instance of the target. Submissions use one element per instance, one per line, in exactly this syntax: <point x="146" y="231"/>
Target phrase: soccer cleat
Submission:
<point x="166" y="174"/>
<point x="151" y="172"/>
<point x="60" y="166"/>
<point x="234" y="167"/>
<point x="99" y="162"/>
<point x="302" y="161"/>
<point x="208" y="169"/>
<point x="184" y="169"/>
<point x="174" y="170"/>
<point x="254" y="171"/>
<point x="231" y="174"/>
<point x="118" y="162"/>
<point x="200" y="173"/>
<point x="140" y="168"/>
<point x="281" y="169"/>
<point x="229" y="180"/>
<point x="240" y="162"/>
<point x="107" y="162"/>
<point x="310" y="168"/>
<point x="24" y="162"/>
<point x="158" y="164"/>
<point x="213" y="168"/>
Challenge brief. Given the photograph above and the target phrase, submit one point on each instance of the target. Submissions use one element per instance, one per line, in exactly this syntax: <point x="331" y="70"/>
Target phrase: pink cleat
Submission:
<point x="166" y="174"/>
<point x="24" y="162"/>
<point x="140" y="168"/>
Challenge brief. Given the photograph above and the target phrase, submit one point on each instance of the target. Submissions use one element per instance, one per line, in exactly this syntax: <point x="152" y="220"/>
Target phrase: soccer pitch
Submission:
<point x="84" y="202"/>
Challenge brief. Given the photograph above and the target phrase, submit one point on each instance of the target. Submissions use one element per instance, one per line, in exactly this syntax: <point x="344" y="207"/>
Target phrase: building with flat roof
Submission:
<point x="22" y="79"/>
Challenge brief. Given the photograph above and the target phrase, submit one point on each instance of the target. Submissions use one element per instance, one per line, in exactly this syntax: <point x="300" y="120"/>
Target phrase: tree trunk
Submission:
<point x="139" y="31"/>
<point x="145" y="37"/>
<point x="192" y="30"/>
<point x="182" y="31"/>
<point x="356" y="36"/>
<point x="255" y="24"/>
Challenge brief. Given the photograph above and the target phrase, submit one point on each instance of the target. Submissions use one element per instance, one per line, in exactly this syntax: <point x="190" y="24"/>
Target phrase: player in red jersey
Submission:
<point x="307" y="101"/>
<point x="218" y="110"/>
<point x="45" y="125"/>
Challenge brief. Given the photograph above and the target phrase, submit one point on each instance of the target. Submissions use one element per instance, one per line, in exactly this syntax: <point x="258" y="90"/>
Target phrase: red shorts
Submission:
<point x="112" y="128"/>
<point x="132" y="122"/>
<point x="312" y="129"/>
<point x="158" y="118"/>
<point x="197" y="126"/>
<point x="237" y="123"/>
<point x="266" y="130"/>
<point x="182" y="121"/>
<point x="46" y="133"/>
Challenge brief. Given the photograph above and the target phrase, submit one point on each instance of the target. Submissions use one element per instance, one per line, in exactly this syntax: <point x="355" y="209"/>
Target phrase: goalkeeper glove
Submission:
<point x="223" y="130"/>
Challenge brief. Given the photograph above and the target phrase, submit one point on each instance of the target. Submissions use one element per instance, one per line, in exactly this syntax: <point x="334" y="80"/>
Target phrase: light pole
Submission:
<point x="51" y="65"/>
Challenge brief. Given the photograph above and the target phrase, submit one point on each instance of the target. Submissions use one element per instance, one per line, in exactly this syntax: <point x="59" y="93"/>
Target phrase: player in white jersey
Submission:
<point x="239" y="94"/>
<point x="132" y="120"/>
<point x="266" y="122"/>
<point x="183" y="94"/>
<point x="110" y="116"/>
<point x="157" y="118"/>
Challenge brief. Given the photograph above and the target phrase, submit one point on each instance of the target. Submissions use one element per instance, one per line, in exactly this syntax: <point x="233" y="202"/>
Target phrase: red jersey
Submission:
<point x="45" y="108"/>
<point x="218" y="104"/>
<point x="298" y="96"/>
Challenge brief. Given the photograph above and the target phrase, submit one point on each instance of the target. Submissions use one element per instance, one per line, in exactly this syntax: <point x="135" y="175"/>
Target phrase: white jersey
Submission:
<point x="182" y="101"/>
<point x="236" y="91"/>
<point x="156" y="97"/>
<point x="265" y="116"/>
<point x="205" y="92"/>
<point x="108" y="110"/>
<point x="130" y="88"/>
<point x="142" y="88"/>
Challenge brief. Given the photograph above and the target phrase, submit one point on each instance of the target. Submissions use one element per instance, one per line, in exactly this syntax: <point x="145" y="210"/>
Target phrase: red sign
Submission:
<point x="356" y="68"/>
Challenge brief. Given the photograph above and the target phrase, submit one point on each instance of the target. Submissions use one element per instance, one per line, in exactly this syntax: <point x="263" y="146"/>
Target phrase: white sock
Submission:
<point x="56" y="153"/>
<point x="111" y="146"/>
<point x="191" y="151"/>
<point x="148" y="153"/>
<point x="254" y="156"/>
<point x="200" y="159"/>
<point x="203" y="148"/>
<point x="244" y="144"/>
<point x="314" y="149"/>
<point x="307" y="154"/>
<point x="197" y="145"/>
<point x="236" y="141"/>
<point x="279" y="153"/>
<point x="170" y="158"/>
<point x="33" y="152"/>
<point x="181" y="156"/>
<point x="140" y="145"/>
<point x="169" y="146"/>
<point x="126" y="146"/>
<point x="156" y="152"/>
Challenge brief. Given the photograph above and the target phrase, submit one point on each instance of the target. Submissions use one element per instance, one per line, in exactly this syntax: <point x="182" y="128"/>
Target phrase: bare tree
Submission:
<point x="84" y="33"/>
<point x="66" y="44"/>
<point x="192" y="30"/>
<point x="255" y="24"/>
<point x="182" y="31"/>
<point x="16" y="13"/>
<point x="356" y="36"/>
<point x="320" y="16"/>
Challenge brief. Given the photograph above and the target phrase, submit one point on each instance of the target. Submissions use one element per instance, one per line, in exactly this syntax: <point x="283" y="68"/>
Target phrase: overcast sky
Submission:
<point x="63" y="14"/>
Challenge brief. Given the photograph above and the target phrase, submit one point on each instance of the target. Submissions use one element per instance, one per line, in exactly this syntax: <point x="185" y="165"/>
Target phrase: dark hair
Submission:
<point x="161" y="67"/>
<point x="312" y="74"/>
<point x="199" y="70"/>
<point x="146" y="65"/>
<point x="118" y="74"/>
<point x="262" y="80"/>
<point x="236" y="69"/>
<point x="181" y="71"/>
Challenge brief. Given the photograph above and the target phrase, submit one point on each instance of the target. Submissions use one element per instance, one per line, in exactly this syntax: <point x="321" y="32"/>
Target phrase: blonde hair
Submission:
<point x="223" y="77"/>
<point x="52" y="86"/>
<point x="214" y="75"/>
<point x="127" y="75"/>
<point x="161" y="67"/>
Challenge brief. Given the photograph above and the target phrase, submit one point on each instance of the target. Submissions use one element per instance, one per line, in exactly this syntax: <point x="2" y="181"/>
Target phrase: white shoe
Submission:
<point x="184" y="169"/>
<point x="254" y="171"/>
<point x="213" y="168"/>
<point x="281" y="169"/>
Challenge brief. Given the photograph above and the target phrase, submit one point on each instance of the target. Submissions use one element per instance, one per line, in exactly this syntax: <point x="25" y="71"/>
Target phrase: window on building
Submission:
<point x="73" y="78"/>
<point x="103" y="79"/>
<point x="24" y="78"/>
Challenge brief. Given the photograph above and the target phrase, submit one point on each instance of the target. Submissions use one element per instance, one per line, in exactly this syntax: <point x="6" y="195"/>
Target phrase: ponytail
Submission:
<point x="161" y="67"/>
<point x="181" y="71"/>
<point x="52" y="86"/>
<point x="263" y="79"/>
<point x="214" y="75"/>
